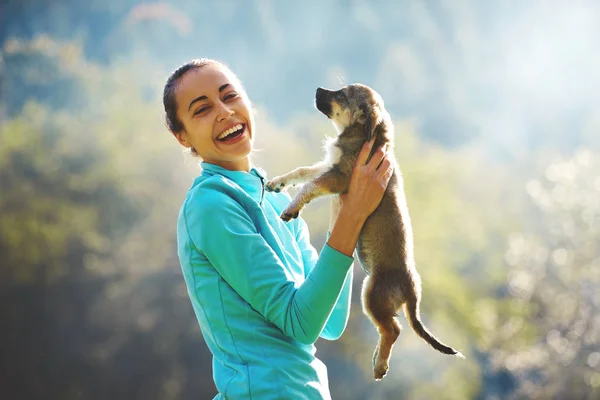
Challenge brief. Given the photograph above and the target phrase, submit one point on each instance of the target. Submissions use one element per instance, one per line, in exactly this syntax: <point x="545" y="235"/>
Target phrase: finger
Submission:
<point x="384" y="165"/>
<point x="388" y="173"/>
<point x="378" y="156"/>
<point x="365" y="151"/>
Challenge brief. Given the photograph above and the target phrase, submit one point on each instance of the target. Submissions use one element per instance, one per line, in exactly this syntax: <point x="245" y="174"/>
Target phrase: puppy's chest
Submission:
<point x="341" y="154"/>
<point x="333" y="153"/>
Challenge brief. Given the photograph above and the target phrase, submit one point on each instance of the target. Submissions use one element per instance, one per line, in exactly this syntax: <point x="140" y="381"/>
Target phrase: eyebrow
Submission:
<point x="200" y="98"/>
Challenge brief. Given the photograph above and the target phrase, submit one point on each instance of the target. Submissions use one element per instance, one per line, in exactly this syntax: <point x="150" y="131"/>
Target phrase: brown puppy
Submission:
<point x="385" y="244"/>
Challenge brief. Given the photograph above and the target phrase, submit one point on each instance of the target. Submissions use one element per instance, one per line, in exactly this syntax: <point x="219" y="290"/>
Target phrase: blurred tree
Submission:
<point x="459" y="226"/>
<point x="94" y="304"/>
<point x="548" y="339"/>
<point x="40" y="69"/>
<point x="469" y="70"/>
<point x="61" y="217"/>
<point x="91" y="183"/>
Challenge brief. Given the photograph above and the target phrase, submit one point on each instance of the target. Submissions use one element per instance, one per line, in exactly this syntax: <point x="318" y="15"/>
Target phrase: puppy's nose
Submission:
<point x="322" y="94"/>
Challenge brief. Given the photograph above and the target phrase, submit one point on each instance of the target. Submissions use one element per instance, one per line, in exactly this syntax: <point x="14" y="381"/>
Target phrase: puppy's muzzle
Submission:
<point x="323" y="101"/>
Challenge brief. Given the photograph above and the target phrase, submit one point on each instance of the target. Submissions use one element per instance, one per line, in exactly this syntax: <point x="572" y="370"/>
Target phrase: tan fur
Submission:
<point x="385" y="244"/>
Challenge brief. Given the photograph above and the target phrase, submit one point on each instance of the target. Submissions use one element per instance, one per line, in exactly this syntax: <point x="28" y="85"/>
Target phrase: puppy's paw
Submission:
<point x="290" y="213"/>
<point x="289" y="217"/>
<point x="380" y="366"/>
<point x="276" y="185"/>
<point x="380" y="371"/>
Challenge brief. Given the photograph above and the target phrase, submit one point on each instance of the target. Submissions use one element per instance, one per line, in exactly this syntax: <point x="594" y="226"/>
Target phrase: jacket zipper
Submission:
<point x="262" y="193"/>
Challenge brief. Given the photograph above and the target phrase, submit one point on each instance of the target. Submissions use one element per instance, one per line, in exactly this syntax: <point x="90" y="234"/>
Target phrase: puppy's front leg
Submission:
<point x="298" y="175"/>
<point x="330" y="182"/>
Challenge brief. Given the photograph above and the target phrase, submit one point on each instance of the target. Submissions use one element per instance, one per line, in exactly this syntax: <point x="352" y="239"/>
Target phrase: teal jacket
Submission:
<point x="261" y="293"/>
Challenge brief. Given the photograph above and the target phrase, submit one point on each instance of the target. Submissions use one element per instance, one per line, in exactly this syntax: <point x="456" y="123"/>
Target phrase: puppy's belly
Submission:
<point x="382" y="243"/>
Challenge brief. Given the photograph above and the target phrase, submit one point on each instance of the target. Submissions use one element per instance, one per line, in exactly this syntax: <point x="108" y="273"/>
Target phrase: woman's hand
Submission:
<point x="367" y="186"/>
<point x="368" y="182"/>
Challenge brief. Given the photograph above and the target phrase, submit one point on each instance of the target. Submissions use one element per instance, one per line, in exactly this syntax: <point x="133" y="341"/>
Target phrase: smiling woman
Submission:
<point x="214" y="118"/>
<point x="261" y="293"/>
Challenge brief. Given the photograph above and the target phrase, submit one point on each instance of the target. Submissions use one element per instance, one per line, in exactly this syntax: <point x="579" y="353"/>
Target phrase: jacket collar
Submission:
<point x="253" y="182"/>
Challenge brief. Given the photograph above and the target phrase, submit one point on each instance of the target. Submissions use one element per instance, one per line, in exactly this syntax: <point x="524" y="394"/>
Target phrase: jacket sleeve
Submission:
<point x="338" y="319"/>
<point x="222" y="230"/>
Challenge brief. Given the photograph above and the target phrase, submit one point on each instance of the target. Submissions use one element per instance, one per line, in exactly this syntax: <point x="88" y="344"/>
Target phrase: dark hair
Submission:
<point x="169" y="101"/>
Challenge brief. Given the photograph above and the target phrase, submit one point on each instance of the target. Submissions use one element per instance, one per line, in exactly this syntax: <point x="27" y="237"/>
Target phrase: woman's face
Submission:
<point x="217" y="117"/>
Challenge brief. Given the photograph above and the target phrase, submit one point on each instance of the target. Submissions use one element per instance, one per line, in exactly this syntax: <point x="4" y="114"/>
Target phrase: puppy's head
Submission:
<point x="351" y="104"/>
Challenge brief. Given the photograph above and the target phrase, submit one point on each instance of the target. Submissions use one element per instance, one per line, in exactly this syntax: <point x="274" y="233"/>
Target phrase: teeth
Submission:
<point x="230" y="131"/>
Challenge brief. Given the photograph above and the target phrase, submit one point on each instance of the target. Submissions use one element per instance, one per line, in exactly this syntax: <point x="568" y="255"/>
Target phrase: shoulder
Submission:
<point x="212" y="191"/>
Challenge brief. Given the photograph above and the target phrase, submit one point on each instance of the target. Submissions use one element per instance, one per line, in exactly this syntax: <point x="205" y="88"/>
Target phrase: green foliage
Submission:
<point x="456" y="221"/>
<point x="551" y="337"/>
<point x="42" y="70"/>
<point x="89" y="272"/>
<point x="56" y="194"/>
<point x="91" y="184"/>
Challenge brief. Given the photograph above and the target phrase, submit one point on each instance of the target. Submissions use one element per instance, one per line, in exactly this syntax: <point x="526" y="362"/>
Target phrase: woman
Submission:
<point x="261" y="293"/>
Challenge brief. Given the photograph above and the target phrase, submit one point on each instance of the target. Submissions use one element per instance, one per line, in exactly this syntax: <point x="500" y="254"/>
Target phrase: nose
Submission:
<point x="323" y="101"/>
<point x="224" y="111"/>
<point x="322" y="94"/>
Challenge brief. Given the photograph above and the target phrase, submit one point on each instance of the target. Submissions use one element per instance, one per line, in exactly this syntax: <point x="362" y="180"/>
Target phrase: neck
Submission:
<point x="243" y="165"/>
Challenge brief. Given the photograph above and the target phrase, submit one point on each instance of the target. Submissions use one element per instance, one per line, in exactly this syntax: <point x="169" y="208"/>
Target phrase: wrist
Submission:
<point x="346" y="230"/>
<point x="334" y="210"/>
<point x="352" y="214"/>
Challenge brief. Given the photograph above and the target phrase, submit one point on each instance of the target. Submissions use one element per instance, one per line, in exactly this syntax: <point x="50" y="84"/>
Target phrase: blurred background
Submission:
<point x="497" y="113"/>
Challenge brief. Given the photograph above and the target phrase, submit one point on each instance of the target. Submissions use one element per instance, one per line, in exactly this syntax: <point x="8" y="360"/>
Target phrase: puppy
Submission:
<point x="385" y="244"/>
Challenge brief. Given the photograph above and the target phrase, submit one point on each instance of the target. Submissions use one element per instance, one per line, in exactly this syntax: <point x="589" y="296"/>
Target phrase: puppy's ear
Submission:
<point x="372" y="119"/>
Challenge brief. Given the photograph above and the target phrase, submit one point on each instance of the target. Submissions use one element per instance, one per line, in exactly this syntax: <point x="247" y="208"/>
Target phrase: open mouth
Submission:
<point x="232" y="133"/>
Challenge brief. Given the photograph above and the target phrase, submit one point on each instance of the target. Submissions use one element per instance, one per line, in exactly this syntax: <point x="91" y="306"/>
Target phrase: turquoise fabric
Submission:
<point x="261" y="293"/>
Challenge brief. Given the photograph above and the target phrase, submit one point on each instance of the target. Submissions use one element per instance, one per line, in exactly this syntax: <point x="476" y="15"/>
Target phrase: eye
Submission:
<point x="230" y="95"/>
<point x="201" y="110"/>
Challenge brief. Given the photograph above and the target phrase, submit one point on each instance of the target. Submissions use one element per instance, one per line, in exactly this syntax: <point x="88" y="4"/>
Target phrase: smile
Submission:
<point x="231" y="133"/>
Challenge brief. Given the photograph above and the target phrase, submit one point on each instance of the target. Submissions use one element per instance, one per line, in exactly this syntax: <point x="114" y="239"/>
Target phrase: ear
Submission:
<point x="372" y="119"/>
<point x="182" y="138"/>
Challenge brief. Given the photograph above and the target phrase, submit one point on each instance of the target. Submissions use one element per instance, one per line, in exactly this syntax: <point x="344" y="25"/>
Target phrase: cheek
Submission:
<point x="249" y="114"/>
<point x="249" y="111"/>
<point x="342" y="118"/>
<point x="347" y="117"/>
<point x="202" y="129"/>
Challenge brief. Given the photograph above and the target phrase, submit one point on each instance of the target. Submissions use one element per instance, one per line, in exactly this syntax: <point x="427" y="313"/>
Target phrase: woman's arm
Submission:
<point x="244" y="255"/>
<point x="223" y="231"/>
<point x="338" y="319"/>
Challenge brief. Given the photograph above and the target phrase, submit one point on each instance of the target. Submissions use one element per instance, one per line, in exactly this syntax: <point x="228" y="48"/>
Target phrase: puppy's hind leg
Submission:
<point x="380" y="305"/>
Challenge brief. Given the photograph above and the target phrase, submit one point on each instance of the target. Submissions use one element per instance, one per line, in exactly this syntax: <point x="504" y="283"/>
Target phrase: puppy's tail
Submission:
<point x="411" y="309"/>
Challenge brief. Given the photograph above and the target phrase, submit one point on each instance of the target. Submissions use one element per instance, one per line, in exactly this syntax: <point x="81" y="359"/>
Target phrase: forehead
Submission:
<point x="205" y="81"/>
<point x="361" y="93"/>
<point x="358" y="90"/>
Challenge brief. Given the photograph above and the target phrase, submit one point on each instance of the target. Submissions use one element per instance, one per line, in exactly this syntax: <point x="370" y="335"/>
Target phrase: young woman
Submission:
<point x="261" y="293"/>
